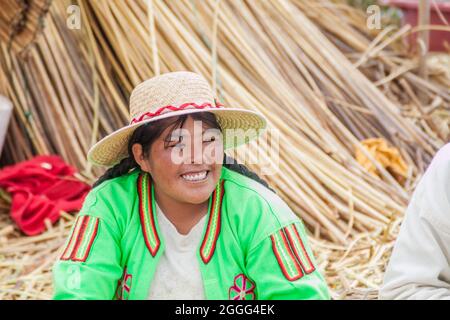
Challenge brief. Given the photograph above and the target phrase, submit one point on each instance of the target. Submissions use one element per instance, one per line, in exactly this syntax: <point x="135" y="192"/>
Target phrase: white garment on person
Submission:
<point x="177" y="276"/>
<point x="419" y="267"/>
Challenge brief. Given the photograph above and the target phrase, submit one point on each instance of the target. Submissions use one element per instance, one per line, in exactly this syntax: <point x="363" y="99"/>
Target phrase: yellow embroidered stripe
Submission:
<point x="299" y="249"/>
<point x="87" y="238"/>
<point x="213" y="228"/>
<point x="145" y="190"/>
<point x="288" y="264"/>
<point x="73" y="239"/>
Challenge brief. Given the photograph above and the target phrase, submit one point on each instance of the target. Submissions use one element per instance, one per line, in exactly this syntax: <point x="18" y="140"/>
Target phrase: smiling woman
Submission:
<point x="174" y="219"/>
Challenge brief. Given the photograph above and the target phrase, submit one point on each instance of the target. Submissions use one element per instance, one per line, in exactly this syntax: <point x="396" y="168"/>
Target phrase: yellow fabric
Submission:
<point x="386" y="156"/>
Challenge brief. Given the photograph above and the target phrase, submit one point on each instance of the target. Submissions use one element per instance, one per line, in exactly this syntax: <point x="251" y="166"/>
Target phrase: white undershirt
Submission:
<point x="177" y="275"/>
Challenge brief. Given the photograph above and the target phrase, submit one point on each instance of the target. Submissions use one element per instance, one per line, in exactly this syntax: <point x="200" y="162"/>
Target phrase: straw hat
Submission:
<point x="174" y="94"/>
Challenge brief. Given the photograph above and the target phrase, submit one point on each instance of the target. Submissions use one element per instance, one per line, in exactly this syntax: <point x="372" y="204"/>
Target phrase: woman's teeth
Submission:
<point x="195" y="177"/>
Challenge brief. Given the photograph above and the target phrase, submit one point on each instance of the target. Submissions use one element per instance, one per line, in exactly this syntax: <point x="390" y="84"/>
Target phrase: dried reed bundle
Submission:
<point x="26" y="262"/>
<point x="58" y="95"/>
<point x="21" y="21"/>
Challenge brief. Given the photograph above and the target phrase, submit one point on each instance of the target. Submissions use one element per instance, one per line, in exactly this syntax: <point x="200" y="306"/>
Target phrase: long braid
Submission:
<point x="118" y="170"/>
<point x="233" y="165"/>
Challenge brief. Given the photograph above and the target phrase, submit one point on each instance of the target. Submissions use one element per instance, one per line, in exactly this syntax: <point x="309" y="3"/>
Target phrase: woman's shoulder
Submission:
<point x="433" y="191"/>
<point x="112" y="193"/>
<point x="435" y="183"/>
<point x="441" y="163"/>
<point x="254" y="202"/>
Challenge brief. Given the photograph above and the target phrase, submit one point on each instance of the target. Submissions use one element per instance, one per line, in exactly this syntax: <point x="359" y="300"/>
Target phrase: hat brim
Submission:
<point x="247" y="124"/>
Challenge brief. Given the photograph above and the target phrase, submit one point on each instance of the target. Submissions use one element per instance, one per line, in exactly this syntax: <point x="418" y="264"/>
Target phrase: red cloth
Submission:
<point x="40" y="188"/>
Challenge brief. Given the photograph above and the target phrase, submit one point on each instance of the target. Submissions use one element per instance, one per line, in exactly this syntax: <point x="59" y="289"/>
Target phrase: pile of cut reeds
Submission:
<point x="21" y="21"/>
<point x="309" y="66"/>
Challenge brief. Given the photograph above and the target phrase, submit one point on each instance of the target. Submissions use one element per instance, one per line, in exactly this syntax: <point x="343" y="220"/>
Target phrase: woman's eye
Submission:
<point x="210" y="139"/>
<point x="176" y="142"/>
<point x="179" y="145"/>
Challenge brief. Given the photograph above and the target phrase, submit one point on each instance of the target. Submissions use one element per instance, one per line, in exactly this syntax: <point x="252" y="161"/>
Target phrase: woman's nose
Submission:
<point x="197" y="151"/>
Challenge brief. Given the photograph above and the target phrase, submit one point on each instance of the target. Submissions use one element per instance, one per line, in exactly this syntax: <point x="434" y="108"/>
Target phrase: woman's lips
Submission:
<point x="197" y="176"/>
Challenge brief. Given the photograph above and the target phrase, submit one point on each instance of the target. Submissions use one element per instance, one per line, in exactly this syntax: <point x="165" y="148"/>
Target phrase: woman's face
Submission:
<point x="185" y="163"/>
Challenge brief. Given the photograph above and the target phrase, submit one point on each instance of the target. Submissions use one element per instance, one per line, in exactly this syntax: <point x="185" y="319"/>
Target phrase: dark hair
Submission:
<point x="146" y="134"/>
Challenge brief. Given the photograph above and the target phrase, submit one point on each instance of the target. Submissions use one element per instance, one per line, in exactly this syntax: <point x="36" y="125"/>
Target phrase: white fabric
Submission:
<point x="177" y="275"/>
<point x="5" y="115"/>
<point x="419" y="267"/>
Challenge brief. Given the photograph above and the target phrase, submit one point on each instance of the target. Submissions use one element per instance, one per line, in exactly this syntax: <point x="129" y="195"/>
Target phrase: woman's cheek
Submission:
<point x="217" y="175"/>
<point x="163" y="168"/>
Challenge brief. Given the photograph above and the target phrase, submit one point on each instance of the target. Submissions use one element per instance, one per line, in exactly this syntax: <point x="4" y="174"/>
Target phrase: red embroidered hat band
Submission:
<point x="185" y="106"/>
